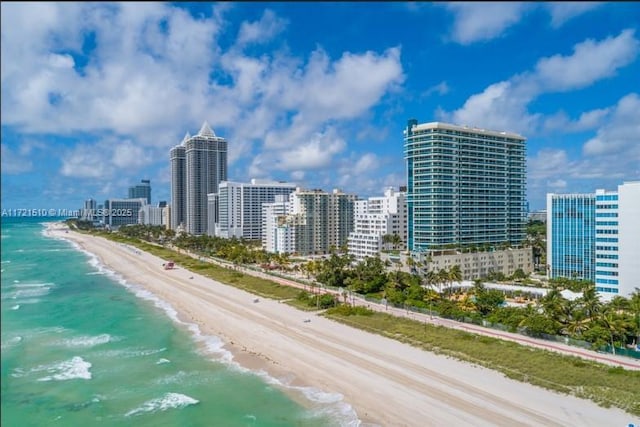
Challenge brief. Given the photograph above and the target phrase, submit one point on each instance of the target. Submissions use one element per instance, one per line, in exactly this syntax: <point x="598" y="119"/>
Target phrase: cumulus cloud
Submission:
<point x="561" y="12"/>
<point x="590" y="61"/>
<point x="484" y="21"/>
<point x="620" y="135"/>
<point x="504" y="105"/>
<point x="149" y="72"/>
<point x="263" y="30"/>
<point x="104" y="159"/>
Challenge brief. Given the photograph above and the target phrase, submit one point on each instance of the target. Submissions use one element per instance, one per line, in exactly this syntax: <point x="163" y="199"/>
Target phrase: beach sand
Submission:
<point x="387" y="382"/>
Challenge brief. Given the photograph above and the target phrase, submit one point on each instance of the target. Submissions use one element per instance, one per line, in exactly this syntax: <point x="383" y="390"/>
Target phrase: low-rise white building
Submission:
<point x="373" y="219"/>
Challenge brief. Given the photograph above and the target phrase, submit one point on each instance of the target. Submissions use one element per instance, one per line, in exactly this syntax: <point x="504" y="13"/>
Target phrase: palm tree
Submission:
<point x="394" y="239"/>
<point x="455" y="274"/>
<point x="590" y="302"/>
<point x="617" y="326"/>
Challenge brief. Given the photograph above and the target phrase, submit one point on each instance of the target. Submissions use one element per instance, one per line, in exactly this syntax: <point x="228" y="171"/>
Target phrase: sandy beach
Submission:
<point x="387" y="382"/>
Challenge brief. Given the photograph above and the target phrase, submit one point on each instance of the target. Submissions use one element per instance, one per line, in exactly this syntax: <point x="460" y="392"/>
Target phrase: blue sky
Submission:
<point x="95" y="94"/>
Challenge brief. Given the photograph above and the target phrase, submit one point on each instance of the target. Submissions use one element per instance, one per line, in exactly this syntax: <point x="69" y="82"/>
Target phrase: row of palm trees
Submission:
<point x="586" y="318"/>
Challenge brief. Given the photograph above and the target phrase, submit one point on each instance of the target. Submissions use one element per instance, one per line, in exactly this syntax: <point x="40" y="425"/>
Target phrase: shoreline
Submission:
<point x="385" y="381"/>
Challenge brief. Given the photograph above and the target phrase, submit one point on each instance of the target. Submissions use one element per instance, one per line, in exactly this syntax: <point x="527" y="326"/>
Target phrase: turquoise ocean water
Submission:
<point x="81" y="347"/>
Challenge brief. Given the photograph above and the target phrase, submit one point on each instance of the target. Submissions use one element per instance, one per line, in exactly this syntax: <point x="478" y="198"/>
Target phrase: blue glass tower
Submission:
<point x="571" y="242"/>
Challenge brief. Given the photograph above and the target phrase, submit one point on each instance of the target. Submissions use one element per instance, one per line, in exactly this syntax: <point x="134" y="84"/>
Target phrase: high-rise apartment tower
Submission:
<point x="465" y="186"/>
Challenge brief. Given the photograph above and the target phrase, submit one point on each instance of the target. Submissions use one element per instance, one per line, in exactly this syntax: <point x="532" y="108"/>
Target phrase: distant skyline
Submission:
<point x="95" y="94"/>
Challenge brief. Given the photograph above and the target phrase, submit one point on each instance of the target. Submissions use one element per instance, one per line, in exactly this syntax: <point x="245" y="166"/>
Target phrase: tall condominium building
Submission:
<point x="375" y="218"/>
<point x="571" y="235"/>
<point x="316" y="221"/>
<point x="178" y="185"/>
<point x="194" y="175"/>
<point x="89" y="211"/>
<point x="465" y="186"/>
<point x="596" y="237"/>
<point x="240" y="206"/>
<point x="141" y="191"/>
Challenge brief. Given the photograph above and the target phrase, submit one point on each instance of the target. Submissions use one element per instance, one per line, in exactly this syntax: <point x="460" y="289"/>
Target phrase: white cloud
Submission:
<point x="590" y="61"/>
<point x="588" y="120"/>
<point x="561" y="12"/>
<point x="104" y="159"/>
<point x="263" y="30"/>
<point x="441" y="88"/>
<point x="504" y="105"/>
<point x="620" y="135"/>
<point x="484" y="20"/>
<point x="156" y="71"/>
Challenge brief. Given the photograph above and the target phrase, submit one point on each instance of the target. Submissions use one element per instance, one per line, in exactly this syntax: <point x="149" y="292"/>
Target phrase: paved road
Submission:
<point x="610" y="359"/>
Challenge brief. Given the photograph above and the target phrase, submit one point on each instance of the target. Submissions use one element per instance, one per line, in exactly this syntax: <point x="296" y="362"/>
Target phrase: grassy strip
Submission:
<point x="256" y="285"/>
<point x="605" y="385"/>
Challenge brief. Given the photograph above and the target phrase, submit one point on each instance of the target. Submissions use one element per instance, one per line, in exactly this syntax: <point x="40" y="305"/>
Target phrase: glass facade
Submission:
<point x="465" y="186"/>
<point x="571" y="234"/>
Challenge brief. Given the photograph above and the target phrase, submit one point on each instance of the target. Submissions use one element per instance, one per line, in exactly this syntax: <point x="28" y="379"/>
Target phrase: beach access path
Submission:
<point x="389" y="383"/>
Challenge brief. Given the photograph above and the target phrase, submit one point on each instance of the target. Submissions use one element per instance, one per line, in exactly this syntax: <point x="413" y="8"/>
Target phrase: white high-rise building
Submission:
<point x="374" y="218"/>
<point x="316" y="221"/>
<point x="240" y="206"/>
<point x="629" y="235"/>
<point x="198" y="165"/>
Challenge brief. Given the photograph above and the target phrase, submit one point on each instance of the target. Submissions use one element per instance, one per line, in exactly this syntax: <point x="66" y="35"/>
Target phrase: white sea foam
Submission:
<point x="330" y="404"/>
<point x="162" y="361"/>
<point x="27" y="292"/>
<point x="168" y="401"/>
<point x="129" y="352"/>
<point x="16" y="307"/>
<point x="8" y="261"/>
<point x="88" y="341"/>
<point x="74" y="368"/>
<point x="11" y="342"/>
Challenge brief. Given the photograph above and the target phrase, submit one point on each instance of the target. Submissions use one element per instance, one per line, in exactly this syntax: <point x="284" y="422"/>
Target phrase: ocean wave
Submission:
<point x="16" y="307"/>
<point x="74" y="368"/>
<point x="324" y="404"/>
<point x="11" y="342"/>
<point x="88" y="341"/>
<point x="168" y="401"/>
<point x="329" y="404"/>
<point x="128" y="352"/>
<point x="8" y="261"/>
<point x="27" y="293"/>
<point x="162" y="361"/>
<point x="34" y="285"/>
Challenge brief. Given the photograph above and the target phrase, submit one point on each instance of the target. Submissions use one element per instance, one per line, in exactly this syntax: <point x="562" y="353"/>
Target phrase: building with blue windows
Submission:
<point x="465" y="186"/>
<point x="596" y="237"/>
<point x="571" y="235"/>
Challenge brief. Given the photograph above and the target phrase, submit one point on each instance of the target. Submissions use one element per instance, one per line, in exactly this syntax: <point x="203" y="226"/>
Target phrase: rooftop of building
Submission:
<point x="465" y="128"/>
